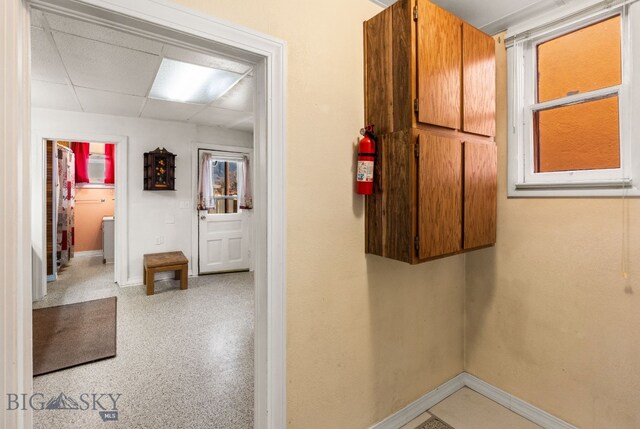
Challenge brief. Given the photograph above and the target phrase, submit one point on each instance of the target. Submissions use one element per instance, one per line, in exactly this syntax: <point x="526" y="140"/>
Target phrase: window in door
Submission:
<point x="225" y="186"/>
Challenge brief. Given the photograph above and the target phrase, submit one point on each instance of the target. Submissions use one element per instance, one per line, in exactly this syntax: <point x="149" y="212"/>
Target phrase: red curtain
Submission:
<point x="81" y="152"/>
<point x="109" y="163"/>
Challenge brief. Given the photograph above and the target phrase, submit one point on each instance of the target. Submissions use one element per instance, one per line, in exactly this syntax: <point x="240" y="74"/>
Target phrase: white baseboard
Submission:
<point x="87" y="253"/>
<point x="421" y="405"/>
<point x="518" y="406"/>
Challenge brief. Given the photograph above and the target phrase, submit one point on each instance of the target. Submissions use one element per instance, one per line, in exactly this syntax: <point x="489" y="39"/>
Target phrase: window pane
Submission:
<point x="579" y="62"/>
<point x="233" y="178"/>
<point x="96" y="168"/>
<point x="225" y="186"/>
<point x="219" y="182"/>
<point x="581" y="136"/>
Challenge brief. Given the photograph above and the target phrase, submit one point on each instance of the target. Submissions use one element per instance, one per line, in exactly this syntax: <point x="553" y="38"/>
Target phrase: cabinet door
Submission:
<point x="480" y="167"/>
<point x="378" y="72"/>
<point x="439" y="195"/>
<point x="479" y="82"/>
<point x="439" y="66"/>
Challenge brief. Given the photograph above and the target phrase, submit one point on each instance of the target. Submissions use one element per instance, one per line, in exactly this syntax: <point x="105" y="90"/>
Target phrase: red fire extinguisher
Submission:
<point x="366" y="160"/>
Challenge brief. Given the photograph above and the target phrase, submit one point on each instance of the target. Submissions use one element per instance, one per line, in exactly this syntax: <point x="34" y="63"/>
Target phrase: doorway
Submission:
<point x="268" y="56"/>
<point x="224" y="217"/>
<point x="87" y="202"/>
<point x="80" y="200"/>
<point x="168" y="115"/>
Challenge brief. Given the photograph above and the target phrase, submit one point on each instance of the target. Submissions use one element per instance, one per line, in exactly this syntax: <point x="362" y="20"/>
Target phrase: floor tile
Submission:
<point x="467" y="409"/>
<point x="413" y="424"/>
<point x="184" y="357"/>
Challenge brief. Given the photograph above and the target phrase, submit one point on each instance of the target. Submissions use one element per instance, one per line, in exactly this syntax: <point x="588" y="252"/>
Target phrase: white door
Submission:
<point x="224" y="229"/>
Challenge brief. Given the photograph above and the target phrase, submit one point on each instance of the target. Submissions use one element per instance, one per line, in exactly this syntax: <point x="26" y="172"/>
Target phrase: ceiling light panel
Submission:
<point x="190" y="83"/>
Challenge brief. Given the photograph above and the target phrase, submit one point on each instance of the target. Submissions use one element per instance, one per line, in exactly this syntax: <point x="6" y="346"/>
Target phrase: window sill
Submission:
<point x="95" y="186"/>
<point x="574" y="190"/>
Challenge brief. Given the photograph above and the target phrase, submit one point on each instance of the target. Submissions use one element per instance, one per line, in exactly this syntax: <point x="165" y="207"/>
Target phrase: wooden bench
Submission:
<point x="167" y="261"/>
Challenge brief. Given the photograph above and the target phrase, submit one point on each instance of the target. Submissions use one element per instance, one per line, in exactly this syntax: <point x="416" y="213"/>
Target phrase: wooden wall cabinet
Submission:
<point x="159" y="170"/>
<point x="430" y="92"/>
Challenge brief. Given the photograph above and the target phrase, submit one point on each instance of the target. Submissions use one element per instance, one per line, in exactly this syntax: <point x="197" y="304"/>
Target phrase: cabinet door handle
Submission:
<point x="203" y="217"/>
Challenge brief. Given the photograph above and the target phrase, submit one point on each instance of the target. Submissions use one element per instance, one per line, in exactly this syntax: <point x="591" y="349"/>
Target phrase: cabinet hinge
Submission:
<point x="416" y="149"/>
<point x="416" y="105"/>
<point x="415" y="13"/>
<point x="416" y="243"/>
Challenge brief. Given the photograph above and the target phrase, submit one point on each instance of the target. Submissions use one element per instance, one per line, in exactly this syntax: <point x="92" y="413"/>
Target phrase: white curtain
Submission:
<point x="206" y="199"/>
<point x="245" y="192"/>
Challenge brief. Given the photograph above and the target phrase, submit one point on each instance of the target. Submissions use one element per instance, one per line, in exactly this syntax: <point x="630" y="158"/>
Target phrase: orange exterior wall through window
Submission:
<point x="579" y="137"/>
<point x="583" y="136"/>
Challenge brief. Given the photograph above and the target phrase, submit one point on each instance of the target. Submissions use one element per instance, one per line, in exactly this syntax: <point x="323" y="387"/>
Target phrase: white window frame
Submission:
<point x="236" y="157"/>
<point x="523" y="181"/>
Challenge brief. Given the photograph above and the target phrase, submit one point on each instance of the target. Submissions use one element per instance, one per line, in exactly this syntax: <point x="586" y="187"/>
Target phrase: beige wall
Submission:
<point x="366" y="335"/>
<point x="549" y="315"/>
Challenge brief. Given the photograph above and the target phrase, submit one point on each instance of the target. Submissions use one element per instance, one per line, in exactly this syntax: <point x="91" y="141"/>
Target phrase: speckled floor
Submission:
<point x="185" y="357"/>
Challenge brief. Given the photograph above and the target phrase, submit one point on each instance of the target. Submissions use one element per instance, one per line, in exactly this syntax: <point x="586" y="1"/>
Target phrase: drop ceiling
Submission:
<point x="82" y="66"/>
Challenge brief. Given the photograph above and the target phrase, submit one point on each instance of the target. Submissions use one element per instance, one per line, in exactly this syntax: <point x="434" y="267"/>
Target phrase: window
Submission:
<point x="224" y="175"/>
<point x="569" y="101"/>
<point x="224" y="182"/>
<point x="96" y="168"/>
<point x="95" y="164"/>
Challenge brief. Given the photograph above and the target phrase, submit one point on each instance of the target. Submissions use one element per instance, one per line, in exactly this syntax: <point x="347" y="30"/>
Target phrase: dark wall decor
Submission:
<point x="159" y="170"/>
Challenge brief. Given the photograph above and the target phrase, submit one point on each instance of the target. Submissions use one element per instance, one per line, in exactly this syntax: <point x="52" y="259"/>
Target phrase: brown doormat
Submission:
<point x="73" y="334"/>
<point x="434" y="423"/>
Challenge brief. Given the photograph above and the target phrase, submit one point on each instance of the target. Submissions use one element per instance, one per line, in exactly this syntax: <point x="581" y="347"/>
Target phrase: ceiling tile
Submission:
<point x="169" y="110"/>
<point x="45" y="61"/>
<point x="216" y="62"/>
<point x="246" y="125"/>
<point x="109" y="103"/>
<point x="36" y="18"/>
<point x="102" y="34"/>
<point x="53" y="96"/>
<point x="219" y="117"/>
<point x="240" y="97"/>
<point x="99" y="65"/>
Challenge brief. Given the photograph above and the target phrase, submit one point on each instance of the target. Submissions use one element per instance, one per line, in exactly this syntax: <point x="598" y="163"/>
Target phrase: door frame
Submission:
<point x="270" y="56"/>
<point x="39" y="191"/>
<point x="196" y="146"/>
<point x="16" y="373"/>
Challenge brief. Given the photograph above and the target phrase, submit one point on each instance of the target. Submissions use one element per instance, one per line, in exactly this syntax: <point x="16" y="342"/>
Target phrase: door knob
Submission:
<point x="203" y="217"/>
